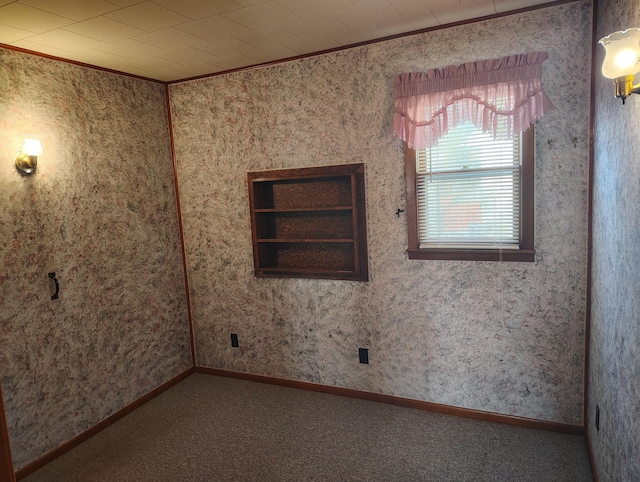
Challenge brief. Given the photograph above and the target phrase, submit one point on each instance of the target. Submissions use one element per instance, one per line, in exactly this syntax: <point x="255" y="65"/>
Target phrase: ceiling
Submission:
<point x="169" y="40"/>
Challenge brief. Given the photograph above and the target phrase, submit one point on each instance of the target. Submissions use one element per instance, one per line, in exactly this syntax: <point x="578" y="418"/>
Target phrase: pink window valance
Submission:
<point x="502" y="96"/>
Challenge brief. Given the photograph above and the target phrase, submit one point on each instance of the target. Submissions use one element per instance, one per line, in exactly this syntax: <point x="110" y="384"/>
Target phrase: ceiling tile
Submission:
<point x="311" y="43"/>
<point x="74" y="9"/>
<point x="212" y="28"/>
<point x="322" y="24"/>
<point x="507" y="5"/>
<point x="147" y="16"/>
<point x="197" y="68"/>
<point x="171" y="37"/>
<point x="31" y="19"/>
<point x="228" y="46"/>
<point x="471" y="10"/>
<point x="125" y="3"/>
<point x="11" y="34"/>
<point x="310" y="9"/>
<point x="398" y="25"/>
<point x="269" y="35"/>
<point x="260" y="15"/>
<point x="130" y="48"/>
<point x="159" y="71"/>
<point x="155" y="63"/>
<point x="270" y="52"/>
<point x="476" y="3"/>
<point x="63" y="40"/>
<point x="249" y="3"/>
<point x="103" y="59"/>
<point x="196" y="9"/>
<point x="370" y="3"/>
<point x="44" y="49"/>
<point x="186" y="55"/>
<point x="409" y="8"/>
<point x="364" y="15"/>
<point x="105" y="29"/>
<point x="165" y="75"/>
<point x="235" y="61"/>
<point x="361" y="34"/>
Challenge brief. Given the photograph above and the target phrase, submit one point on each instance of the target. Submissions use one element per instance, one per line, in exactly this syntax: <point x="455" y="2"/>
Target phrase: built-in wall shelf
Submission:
<point x="309" y="222"/>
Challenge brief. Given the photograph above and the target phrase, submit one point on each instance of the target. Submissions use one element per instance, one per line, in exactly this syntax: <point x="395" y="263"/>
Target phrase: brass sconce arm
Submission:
<point x="624" y="87"/>
<point x="26" y="164"/>
<point x="27" y="160"/>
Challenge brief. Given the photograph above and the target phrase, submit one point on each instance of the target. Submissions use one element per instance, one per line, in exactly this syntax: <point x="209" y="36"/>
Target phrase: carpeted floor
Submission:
<point x="208" y="428"/>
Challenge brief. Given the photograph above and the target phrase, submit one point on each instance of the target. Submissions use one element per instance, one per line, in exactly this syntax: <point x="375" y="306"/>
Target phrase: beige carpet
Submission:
<point x="210" y="428"/>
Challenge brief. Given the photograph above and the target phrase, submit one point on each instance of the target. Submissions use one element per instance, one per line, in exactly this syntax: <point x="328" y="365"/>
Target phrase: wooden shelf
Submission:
<point x="309" y="222"/>
<point x="292" y="240"/>
<point x="305" y="210"/>
<point x="315" y="272"/>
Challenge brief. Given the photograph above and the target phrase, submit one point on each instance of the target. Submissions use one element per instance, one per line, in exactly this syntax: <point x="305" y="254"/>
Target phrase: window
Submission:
<point x="470" y="197"/>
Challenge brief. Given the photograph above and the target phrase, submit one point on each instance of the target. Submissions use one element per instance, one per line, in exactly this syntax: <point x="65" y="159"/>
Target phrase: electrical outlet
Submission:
<point x="363" y="353"/>
<point x="597" y="418"/>
<point x="234" y="340"/>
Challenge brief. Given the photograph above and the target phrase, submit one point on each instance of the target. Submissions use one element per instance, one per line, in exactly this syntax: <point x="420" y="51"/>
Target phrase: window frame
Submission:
<point x="526" y="251"/>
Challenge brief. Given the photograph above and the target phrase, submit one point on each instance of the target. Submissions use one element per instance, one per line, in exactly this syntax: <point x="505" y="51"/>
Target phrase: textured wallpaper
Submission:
<point x="101" y="213"/>
<point x="614" y="382"/>
<point x="505" y="338"/>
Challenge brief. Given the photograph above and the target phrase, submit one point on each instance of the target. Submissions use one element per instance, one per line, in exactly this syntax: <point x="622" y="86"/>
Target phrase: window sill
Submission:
<point x="520" y="255"/>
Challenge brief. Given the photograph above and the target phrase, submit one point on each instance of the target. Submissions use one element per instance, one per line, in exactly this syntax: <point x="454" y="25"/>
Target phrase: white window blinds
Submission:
<point x="468" y="189"/>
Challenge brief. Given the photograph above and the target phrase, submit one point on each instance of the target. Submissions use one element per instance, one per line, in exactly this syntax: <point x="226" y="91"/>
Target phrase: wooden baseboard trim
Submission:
<point x="592" y="459"/>
<point x="78" y="439"/>
<point x="403" y="402"/>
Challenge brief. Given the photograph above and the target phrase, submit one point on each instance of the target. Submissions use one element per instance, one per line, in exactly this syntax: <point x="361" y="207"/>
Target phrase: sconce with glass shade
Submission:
<point x="27" y="160"/>
<point x="622" y="60"/>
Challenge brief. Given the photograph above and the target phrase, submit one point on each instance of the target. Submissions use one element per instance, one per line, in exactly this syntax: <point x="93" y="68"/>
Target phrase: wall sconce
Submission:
<point x="27" y="160"/>
<point x="622" y="60"/>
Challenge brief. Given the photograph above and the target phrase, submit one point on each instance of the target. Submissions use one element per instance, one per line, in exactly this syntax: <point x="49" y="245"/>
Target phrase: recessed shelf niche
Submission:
<point x="309" y="222"/>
